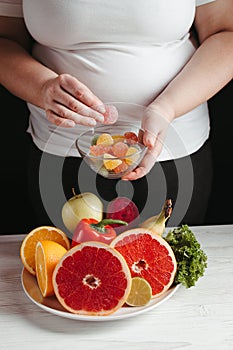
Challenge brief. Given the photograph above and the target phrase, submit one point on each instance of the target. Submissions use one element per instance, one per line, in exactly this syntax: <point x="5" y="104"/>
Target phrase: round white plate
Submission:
<point x="52" y="305"/>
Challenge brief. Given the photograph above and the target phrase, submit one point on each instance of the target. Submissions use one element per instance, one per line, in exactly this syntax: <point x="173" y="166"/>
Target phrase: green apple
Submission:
<point x="81" y="206"/>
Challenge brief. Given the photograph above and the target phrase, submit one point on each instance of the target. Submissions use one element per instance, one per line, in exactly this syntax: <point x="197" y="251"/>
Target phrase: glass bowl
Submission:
<point x="114" y="155"/>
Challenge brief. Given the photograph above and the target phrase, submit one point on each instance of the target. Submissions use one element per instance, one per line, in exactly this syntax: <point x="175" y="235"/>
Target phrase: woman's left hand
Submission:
<point x="155" y="127"/>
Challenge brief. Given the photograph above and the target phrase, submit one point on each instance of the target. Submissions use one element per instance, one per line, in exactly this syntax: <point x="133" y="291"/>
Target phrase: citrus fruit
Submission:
<point x="105" y="139"/>
<point x="148" y="256"/>
<point x="28" y="246"/>
<point x="111" y="162"/>
<point x="140" y="292"/>
<point x="48" y="253"/>
<point x="92" y="279"/>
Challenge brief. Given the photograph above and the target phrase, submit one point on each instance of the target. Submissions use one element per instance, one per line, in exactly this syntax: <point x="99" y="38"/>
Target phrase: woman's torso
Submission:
<point x="126" y="52"/>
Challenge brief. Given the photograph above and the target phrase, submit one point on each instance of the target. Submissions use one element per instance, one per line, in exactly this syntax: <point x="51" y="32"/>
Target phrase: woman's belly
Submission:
<point x="130" y="77"/>
<point x="120" y="72"/>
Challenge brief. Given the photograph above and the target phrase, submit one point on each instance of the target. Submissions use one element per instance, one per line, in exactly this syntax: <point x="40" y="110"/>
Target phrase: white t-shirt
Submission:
<point x="126" y="52"/>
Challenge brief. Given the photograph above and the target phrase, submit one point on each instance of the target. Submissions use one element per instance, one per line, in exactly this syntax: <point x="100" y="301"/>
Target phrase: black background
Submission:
<point x="16" y="214"/>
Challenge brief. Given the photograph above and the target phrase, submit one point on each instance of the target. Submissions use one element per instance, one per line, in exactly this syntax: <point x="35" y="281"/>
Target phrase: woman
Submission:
<point x="71" y="60"/>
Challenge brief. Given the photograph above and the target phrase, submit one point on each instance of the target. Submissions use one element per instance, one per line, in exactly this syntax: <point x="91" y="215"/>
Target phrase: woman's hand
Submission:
<point x="68" y="102"/>
<point x="155" y="126"/>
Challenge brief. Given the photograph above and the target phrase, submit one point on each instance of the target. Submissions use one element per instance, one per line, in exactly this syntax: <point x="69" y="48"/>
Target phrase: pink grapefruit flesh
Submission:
<point x="92" y="279"/>
<point x="148" y="256"/>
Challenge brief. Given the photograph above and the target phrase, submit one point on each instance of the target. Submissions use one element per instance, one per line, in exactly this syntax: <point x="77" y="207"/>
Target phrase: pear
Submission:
<point x="157" y="223"/>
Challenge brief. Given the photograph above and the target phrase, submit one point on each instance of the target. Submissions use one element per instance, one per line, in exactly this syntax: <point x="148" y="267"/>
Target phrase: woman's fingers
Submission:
<point x="81" y="92"/>
<point x="144" y="167"/>
<point x="135" y="174"/>
<point x="69" y="102"/>
<point x="149" y="139"/>
<point x="147" y="163"/>
<point x="68" y="107"/>
<point x="69" y="122"/>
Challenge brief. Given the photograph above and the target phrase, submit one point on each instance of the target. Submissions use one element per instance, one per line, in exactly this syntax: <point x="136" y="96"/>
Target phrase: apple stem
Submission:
<point x="73" y="190"/>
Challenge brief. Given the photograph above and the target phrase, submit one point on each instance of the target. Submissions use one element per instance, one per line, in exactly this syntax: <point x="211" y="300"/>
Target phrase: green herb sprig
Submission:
<point x="191" y="259"/>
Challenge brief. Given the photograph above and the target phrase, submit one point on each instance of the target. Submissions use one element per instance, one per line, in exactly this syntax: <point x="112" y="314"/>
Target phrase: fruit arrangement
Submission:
<point x="101" y="270"/>
<point x="117" y="153"/>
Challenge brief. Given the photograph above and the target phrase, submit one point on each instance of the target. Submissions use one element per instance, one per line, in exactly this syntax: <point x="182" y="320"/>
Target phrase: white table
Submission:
<point x="197" y="318"/>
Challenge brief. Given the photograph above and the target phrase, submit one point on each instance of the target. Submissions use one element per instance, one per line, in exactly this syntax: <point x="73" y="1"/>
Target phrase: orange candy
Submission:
<point x="110" y="162"/>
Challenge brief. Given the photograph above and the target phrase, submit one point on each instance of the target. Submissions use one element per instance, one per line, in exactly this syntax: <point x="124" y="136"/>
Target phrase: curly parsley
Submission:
<point x="191" y="259"/>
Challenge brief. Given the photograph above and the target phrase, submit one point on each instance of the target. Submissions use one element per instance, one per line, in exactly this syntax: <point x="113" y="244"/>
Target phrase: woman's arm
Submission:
<point x="66" y="100"/>
<point x="207" y="72"/>
<point x="19" y="72"/>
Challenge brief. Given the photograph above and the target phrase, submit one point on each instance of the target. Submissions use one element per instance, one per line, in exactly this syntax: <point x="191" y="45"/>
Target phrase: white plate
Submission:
<point x="52" y="305"/>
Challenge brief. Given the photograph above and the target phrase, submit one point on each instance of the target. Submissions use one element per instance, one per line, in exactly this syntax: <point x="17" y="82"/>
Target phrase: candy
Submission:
<point x="105" y="139"/>
<point x="110" y="162"/>
<point x="98" y="150"/>
<point x="119" y="149"/>
<point x="133" y="158"/>
<point x="111" y="115"/>
<point x="131" y="137"/>
<point x="121" y="168"/>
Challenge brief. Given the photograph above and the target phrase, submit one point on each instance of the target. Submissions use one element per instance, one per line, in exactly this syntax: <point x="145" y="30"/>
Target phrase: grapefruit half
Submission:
<point x="149" y="256"/>
<point x="92" y="279"/>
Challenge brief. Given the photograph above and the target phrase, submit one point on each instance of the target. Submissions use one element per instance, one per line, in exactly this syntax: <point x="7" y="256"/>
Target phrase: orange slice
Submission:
<point x="28" y="246"/>
<point x="48" y="254"/>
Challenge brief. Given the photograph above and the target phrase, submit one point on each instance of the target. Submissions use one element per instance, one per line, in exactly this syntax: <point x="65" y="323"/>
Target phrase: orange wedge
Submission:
<point x="48" y="254"/>
<point x="28" y="246"/>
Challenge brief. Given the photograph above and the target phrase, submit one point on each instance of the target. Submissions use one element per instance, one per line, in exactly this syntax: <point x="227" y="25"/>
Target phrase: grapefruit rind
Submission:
<point x="83" y="292"/>
<point x="138" y="257"/>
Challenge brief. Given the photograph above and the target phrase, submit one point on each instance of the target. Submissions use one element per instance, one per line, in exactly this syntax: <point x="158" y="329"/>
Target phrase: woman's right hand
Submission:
<point x="68" y="102"/>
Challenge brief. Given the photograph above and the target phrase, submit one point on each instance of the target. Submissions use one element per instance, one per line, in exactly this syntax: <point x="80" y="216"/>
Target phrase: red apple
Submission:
<point x="122" y="208"/>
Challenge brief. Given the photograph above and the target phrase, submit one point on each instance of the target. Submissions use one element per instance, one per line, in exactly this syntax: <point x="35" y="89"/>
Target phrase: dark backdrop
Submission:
<point x="17" y="216"/>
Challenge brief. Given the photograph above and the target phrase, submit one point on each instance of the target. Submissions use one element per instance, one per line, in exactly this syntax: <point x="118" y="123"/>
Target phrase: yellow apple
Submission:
<point x="81" y="206"/>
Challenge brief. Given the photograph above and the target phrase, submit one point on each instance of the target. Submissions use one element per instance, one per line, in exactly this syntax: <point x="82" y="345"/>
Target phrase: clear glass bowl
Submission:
<point x="109" y="165"/>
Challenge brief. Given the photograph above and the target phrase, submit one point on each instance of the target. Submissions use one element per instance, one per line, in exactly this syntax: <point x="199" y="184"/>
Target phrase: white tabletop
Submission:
<point x="197" y="318"/>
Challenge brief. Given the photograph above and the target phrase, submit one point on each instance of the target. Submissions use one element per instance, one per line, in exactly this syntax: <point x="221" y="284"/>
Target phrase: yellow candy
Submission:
<point x="131" y="150"/>
<point x="105" y="139"/>
<point x="112" y="163"/>
<point x="118" y="138"/>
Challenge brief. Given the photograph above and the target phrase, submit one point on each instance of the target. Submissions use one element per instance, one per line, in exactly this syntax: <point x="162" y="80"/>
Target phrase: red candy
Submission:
<point x="131" y="137"/>
<point x="119" y="149"/>
<point x="111" y="115"/>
